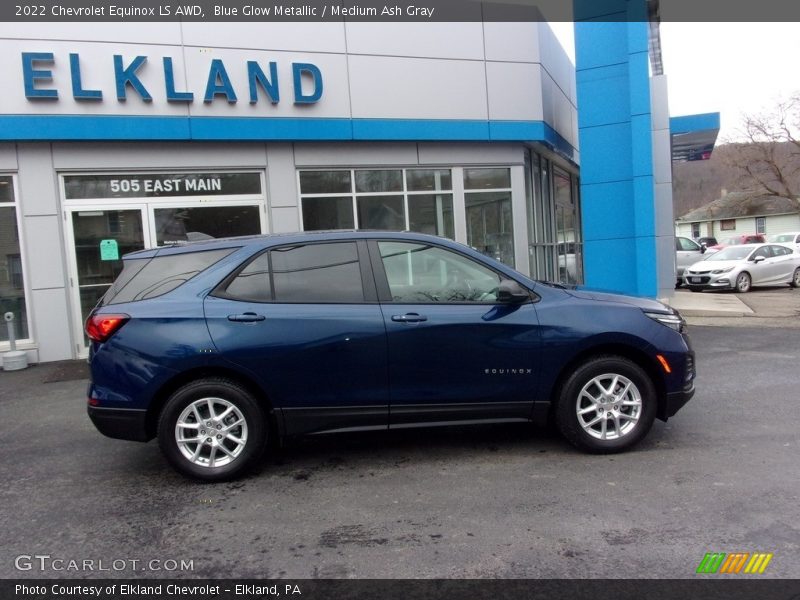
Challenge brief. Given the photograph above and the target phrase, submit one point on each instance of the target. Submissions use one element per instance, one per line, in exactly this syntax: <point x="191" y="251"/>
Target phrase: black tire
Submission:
<point x="743" y="282"/>
<point x="795" y="283"/>
<point x="245" y="423"/>
<point x="628" y="431"/>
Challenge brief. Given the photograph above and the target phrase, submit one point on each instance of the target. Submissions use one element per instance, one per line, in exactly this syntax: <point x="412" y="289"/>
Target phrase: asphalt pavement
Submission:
<point x="486" y="502"/>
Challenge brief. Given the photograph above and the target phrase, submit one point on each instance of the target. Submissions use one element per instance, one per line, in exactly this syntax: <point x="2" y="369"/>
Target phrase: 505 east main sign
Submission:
<point x="262" y="80"/>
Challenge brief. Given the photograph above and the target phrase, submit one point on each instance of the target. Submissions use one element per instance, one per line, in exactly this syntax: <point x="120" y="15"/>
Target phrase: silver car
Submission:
<point x="687" y="252"/>
<point x="741" y="267"/>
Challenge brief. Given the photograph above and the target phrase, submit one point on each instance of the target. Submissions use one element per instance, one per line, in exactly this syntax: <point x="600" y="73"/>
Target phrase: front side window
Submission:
<point x="325" y="273"/>
<point x="418" y="200"/>
<point x="419" y="273"/>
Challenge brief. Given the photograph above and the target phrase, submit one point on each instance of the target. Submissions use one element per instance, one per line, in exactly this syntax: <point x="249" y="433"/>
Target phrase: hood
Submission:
<point x="643" y="303"/>
<point x="712" y="265"/>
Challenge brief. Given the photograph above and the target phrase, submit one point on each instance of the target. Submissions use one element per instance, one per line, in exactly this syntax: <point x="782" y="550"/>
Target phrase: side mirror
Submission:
<point x="703" y="248"/>
<point x="758" y="259"/>
<point x="510" y="292"/>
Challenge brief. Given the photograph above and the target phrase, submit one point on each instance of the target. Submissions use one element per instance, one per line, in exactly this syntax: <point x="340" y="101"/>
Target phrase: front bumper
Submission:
<point x="723" y="281"/>
<point x="120" y="423"/>
<point x="674" y="402"/>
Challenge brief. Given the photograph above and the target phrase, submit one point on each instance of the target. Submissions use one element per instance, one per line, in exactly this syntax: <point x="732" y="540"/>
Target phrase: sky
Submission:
<point x="730" y="68"/>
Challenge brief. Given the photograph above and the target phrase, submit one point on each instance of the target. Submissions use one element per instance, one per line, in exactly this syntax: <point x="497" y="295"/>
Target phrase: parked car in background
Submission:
<point x="790" y="238"/>
<point x="738" y="240"/>
<point x="687" y="252"/>
<point x="213" y="347"/>
<point x="706" y="241"/>
<point x="740" y="267"/>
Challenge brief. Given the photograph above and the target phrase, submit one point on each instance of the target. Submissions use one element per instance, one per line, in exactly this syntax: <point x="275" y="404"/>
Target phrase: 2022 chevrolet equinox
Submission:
<point x="214" y="346"/>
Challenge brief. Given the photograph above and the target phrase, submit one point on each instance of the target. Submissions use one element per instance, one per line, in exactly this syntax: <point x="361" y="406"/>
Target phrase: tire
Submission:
<point x="231" y="445"/>
<point x="795" y="283"/>
<point x="622" y="420"/>
<point x="743" y="282"/>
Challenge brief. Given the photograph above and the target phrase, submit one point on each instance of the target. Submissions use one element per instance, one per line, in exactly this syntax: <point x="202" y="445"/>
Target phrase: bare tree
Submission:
<point x="768" y="161"/>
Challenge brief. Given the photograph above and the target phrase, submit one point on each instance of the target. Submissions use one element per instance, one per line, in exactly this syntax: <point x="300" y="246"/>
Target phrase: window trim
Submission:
<point x="382" y="281"/>
<point x="367" y="281"/>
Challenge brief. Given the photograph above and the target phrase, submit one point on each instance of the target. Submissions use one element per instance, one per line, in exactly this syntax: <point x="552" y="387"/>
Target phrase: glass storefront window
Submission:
<point x="386" y="199"/>
<point x="12" y="284"/>
<point x="189" y="224"/>
<point x="487" y="179"/>
<point x="490" y="223"/>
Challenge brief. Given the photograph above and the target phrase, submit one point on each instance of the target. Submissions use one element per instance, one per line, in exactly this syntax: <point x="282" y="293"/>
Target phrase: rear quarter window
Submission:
<point x="144" y="278"/>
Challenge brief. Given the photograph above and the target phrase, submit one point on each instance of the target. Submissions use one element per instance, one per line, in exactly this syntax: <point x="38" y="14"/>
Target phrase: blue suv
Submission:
<point x="216" y="346"/>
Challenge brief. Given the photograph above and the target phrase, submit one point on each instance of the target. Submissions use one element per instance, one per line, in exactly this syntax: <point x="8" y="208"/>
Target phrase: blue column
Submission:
<point x="615" y="133"/>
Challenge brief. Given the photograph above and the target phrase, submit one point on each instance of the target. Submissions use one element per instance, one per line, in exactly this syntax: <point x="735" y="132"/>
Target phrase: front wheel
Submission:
<point x="607" y="405"/>
<point x="212" y="429"/>
<point x="743" y="282"/>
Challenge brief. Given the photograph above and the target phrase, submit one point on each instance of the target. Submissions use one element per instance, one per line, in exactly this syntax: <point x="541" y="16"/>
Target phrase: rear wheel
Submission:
<point x="607" y="405"/>
<point x="212" y="429"/>
<point x="743" y="282"/>
<point x="795" y="278"/>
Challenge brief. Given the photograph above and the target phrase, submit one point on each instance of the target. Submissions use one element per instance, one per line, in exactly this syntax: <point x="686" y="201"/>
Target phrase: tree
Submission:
<point x="768" y="161"/>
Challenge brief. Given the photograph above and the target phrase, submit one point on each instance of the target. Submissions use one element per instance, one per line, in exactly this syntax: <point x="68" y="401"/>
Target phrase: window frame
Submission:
<point x="405" y="194"/>
<point x="727" y="225"/>
<point x="367" y="280"/>
<point x="385" y="293"/>
<point x="26" y="342"/>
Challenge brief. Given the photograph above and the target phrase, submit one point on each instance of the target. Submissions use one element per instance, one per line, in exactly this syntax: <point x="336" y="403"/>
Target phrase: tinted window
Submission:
<point x="686" y="244"/>
<point x="145" y="278"/>
<point x="762" y="252"/>
<point x="422" y="273"/>
<point x="252" y="283"/>
<point x="780" y="250"/>
<point x="317" y="273"/>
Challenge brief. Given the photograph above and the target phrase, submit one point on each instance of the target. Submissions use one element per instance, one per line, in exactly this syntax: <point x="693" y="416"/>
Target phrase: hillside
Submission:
<point x="697" y="183"/>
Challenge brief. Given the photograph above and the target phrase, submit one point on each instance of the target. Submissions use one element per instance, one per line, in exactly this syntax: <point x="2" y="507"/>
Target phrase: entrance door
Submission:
<point x="99" y="239"/>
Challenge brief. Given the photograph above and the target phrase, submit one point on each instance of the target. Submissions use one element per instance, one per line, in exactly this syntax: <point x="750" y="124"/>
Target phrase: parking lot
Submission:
<point x="501" y="501"/>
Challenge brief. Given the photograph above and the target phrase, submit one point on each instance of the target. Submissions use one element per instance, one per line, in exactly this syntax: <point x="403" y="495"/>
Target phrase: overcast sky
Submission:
<point x="730" y="68"/>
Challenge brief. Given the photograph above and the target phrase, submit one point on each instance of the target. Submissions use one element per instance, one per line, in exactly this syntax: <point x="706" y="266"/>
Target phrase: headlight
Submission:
<point x="718" y="271"/>
<point x="673" y="321"/>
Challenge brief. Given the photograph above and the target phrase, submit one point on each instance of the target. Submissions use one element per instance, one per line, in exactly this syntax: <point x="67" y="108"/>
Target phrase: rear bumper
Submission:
<point x="120" y="423"/>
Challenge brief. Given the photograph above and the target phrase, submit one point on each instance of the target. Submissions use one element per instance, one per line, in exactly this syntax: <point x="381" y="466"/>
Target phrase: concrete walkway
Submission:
<point x="764" y="307"/>
<point x="712" y="304"/>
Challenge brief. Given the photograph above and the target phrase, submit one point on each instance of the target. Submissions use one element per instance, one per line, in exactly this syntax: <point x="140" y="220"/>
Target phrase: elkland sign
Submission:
<point x="262" y="81"/>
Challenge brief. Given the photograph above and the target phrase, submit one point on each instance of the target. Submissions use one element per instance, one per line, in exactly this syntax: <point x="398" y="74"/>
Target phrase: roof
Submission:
<point x="741" y="204"/>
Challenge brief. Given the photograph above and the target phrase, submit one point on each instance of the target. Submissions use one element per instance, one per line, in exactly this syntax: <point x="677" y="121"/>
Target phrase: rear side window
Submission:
<point x="147" y="278"/>
<point x="317" y="273"/>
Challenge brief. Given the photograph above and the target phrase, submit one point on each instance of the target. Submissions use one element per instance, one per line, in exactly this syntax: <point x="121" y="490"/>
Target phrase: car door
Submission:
<point x="304" y="320"/>
<point x="455" y="353"/>
<point x="762" y="266"/>
<point x="782" y="264"/>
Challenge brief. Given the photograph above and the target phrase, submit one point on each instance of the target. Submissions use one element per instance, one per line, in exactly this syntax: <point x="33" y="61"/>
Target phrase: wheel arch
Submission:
<point x="635" y="355"/>
<point x="205" y="372"/>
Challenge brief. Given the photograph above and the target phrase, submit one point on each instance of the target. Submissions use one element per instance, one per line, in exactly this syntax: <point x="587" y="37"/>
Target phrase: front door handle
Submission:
<point x="248" y="317"/>
<point x="409" y="318"/>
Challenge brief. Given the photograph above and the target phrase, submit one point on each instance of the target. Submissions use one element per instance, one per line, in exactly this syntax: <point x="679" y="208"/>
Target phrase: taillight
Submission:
<point x="101" y="327"/>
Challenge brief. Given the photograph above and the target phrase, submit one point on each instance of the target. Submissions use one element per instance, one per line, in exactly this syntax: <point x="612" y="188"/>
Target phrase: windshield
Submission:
<point x="731" y="253"/>
<point x="782" y="238"/>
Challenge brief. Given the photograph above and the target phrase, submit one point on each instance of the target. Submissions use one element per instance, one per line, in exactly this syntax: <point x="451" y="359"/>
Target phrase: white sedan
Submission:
<point x="742" y="267"/>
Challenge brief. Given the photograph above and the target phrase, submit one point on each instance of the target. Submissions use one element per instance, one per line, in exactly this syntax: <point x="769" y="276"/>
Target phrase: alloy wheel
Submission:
<point x="211" y="432"/>
<point x="609" y="406"/>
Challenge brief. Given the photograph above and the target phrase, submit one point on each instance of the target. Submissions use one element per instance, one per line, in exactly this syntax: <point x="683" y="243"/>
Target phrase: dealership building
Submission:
<point x="119" y="136"/>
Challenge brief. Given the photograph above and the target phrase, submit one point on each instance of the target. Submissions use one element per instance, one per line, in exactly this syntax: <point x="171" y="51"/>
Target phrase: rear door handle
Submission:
<point x="248" y="317"/>
<point x="409" y="318"/>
